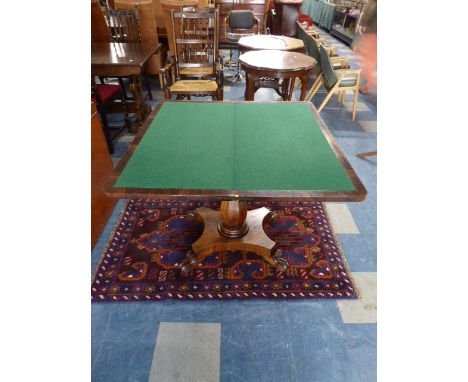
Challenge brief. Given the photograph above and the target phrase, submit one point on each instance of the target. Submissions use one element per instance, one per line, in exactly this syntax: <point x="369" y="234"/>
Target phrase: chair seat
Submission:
<point x="348" y="82"/>
<point x="206" y="71"/>
<point x="107" y="91"/>
<point x="336" y="65"/>
<point x="235" y="37"/>
<point x="194" y="86"/>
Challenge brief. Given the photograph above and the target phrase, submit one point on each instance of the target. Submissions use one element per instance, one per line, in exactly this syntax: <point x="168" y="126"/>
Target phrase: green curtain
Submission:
<point x="326" y="16"/>
<point x="320" y="12"/>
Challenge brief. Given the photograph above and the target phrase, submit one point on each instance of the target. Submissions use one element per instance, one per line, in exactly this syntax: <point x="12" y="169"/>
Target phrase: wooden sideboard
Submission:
<point x="259" y="7"/>
<point x="101" y="169"/>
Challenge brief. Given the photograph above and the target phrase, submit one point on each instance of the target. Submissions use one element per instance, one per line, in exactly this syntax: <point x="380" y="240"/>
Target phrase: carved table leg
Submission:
<point x="142" y="109"/>
<point x="250" y="87"/>
<point x="285" y="89"/>
<point x="304" y="82"/>
<point x="233" y="228"/>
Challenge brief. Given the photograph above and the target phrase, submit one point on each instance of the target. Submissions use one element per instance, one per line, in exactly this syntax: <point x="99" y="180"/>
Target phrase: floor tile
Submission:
<point x="360" y="251"/>
<point x="255" y="352"/>
<point x="364" y="310"/>
<point x="369" y="126"/>
<point x="362" y="341"/>
<point x="253" y="311"/>
<point x="191" y="311"/>
<point x="187" y="352"/>
<point x="361" y="106"/>
<point x="341" y="219"/>
<point x="320" y="352"/>
<point x="125" y="353"/>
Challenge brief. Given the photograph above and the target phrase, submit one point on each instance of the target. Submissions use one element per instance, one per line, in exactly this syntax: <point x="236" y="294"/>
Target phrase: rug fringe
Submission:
<point x="341" y="252"/>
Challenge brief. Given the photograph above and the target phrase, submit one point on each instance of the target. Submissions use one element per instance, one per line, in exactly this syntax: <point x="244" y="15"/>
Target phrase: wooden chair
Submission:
<point x="176" y="6"/>
<point x="337" y="81"/>
<point x="124" y="26"/>
<point x="148" y="31"/>
<point x="99" y="30"/>
<point x="196" y="62"/>
<point x="312" y="48"/>
<point x="105" y="95"/>
<point x="239" y="23"/>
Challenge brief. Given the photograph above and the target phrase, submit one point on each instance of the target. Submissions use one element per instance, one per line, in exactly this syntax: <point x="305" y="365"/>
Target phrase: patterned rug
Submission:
<point x="141" y="261"/>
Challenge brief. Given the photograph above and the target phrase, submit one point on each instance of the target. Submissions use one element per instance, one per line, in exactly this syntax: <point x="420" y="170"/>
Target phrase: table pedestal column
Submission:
<point x="233" y="228"/>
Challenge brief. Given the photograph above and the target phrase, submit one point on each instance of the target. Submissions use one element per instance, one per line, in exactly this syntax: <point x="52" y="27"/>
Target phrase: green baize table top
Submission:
<point x="235" y="146"/>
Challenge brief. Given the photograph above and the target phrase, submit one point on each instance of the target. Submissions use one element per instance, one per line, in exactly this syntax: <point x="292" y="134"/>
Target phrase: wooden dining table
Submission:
<point x="125" y="60"/>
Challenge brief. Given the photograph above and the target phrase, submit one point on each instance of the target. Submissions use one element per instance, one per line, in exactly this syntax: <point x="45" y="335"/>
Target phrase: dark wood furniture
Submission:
<point x="125" y="60"/>
<point x="233" y="228"/>
<point x="287" y="13"/>
<point x="99" y="30"/>
<point x="148" y="31"/>
<point x="239" y="23"/>
<point x="263" y="42"/>
<point x="257" y="6"/>
<point x="101" y="169"/>
<point x="105" y="95"/>
<point x="196" y="62"/>
<point x="264" y="67"/>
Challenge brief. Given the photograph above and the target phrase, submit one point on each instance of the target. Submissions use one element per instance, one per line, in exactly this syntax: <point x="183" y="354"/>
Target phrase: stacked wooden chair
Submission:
<point x="336" y="81"/>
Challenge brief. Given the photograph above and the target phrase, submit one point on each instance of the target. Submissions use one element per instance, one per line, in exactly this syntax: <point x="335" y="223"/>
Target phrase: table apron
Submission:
<point x="115" y="70"/>
<point x="277" y="73"/>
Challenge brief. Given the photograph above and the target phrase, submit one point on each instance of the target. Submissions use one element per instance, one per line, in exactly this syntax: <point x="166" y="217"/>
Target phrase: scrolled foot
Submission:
<point x="281" y="263"/>
<point x="189" y="263"/>
<point x="191" y="215"/>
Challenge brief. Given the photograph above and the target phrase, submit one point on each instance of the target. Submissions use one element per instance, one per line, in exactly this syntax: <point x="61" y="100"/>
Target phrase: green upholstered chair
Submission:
<point x="312" y="48"/>
<point x="337" y="81"/>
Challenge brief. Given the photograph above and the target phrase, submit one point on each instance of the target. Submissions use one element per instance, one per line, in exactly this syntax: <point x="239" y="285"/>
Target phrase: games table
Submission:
<point x="235" y="152"/>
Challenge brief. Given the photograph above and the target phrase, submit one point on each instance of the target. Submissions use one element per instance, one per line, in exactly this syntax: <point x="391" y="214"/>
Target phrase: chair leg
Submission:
<point x="315" y="87"/>
<point x="327" y="98"/>
<point x="105" y="127"/>
<point x="148" y="86"/>
<point x="356" y="94"/>
<point x="161" y="83"/>
<point x="125" y="111"/>
<point x="122" y="85"/>
<point x="367" y="154"/>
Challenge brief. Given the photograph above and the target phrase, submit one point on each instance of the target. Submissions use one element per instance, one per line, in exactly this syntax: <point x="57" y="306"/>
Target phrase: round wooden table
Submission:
<point x="263" y="67"/>
<point x="268" y="41"/>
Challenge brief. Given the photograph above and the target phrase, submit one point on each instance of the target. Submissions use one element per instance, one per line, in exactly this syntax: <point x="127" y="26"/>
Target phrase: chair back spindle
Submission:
<point x="124" y="25"/>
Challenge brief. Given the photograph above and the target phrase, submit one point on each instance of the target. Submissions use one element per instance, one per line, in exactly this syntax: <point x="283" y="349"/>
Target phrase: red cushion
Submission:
<point x="105" y="91"/>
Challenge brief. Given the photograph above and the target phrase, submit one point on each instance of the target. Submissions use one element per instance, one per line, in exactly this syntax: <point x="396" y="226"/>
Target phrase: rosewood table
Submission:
<point x="235" y="152"/>
<point x="264" y="67"/>
<point x="125" y="60"/>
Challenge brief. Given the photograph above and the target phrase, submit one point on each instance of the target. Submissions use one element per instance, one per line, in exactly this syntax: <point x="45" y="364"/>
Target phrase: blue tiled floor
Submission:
<point x="261" y="340"/>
